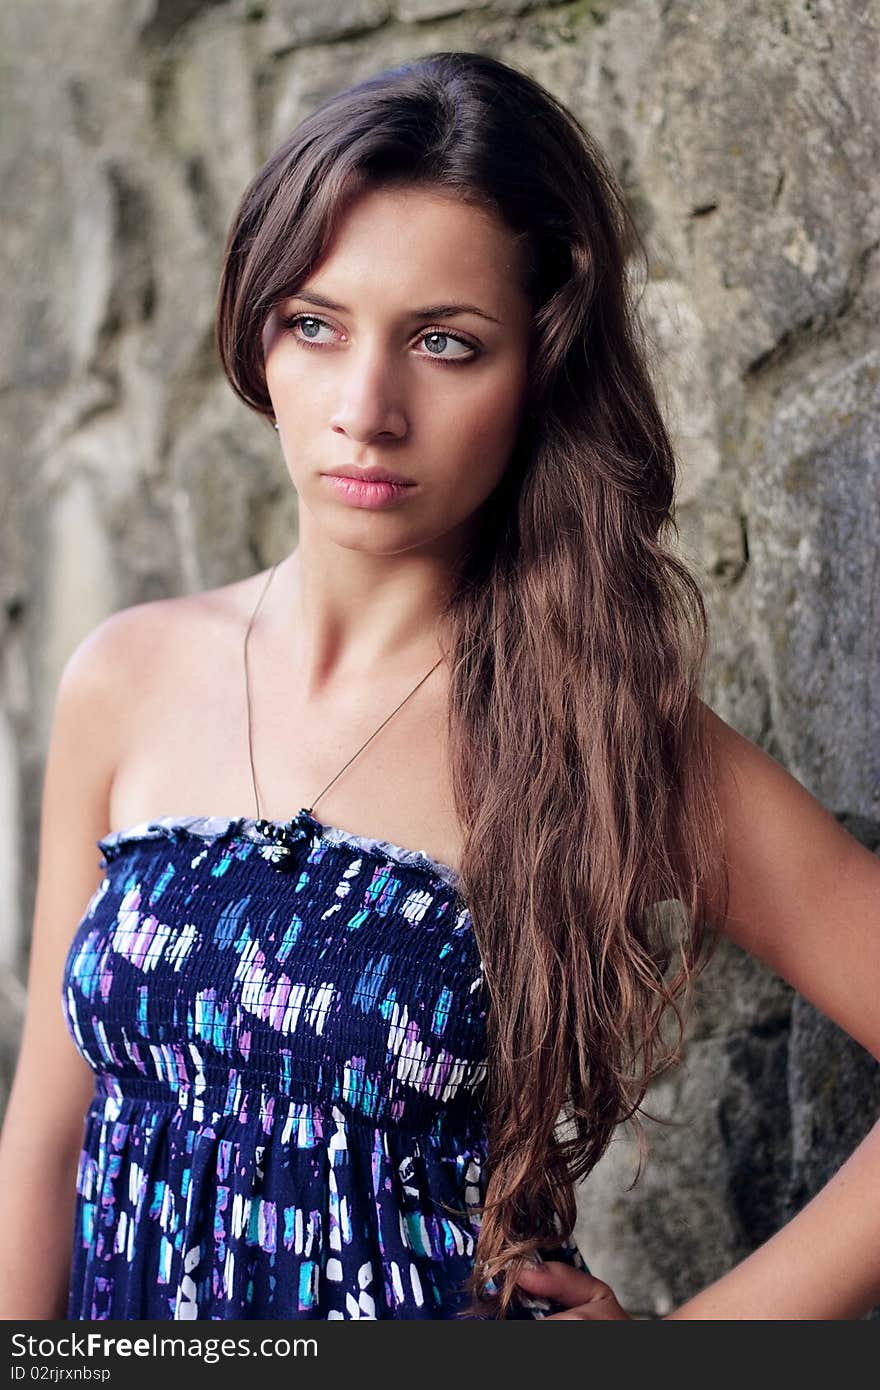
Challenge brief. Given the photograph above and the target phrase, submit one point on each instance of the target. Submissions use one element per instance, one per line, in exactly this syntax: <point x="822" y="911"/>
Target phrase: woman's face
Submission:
<point x="364" y="369"/>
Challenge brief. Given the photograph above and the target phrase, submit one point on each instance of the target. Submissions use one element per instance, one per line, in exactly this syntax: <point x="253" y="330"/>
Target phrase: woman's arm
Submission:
<point x="43" y="1124"/>
<point x="823" y="1264"/>
<point x="805" y="900"/>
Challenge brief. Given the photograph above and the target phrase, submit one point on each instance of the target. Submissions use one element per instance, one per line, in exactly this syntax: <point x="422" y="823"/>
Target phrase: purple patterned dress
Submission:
<point x="286" y="1025"/>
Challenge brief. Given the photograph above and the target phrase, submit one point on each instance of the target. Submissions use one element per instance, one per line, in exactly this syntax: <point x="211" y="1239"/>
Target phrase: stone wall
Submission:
<point x="747" y="140"/>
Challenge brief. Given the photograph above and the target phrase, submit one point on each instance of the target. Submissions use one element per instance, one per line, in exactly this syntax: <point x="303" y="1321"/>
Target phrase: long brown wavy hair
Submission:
<point x="580" y="763"/>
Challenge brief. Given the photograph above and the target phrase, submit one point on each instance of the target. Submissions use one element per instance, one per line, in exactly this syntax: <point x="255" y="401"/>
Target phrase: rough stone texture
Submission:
<point x="746" y="138"/>
<point x="834" y="1091"/>
<point x="816" y="510"/>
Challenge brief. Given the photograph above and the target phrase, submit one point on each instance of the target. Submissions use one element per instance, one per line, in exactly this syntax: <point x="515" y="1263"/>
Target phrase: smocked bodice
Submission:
<point x="287" y="1027"/>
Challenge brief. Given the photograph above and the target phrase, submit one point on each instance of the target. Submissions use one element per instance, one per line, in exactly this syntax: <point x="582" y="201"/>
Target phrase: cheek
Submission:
<point x="484" y="430"/>
<point x="280" y="371"/>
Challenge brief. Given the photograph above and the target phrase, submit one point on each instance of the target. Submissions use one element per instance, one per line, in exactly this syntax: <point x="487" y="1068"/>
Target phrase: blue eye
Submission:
<point x="449" y="338"/>
<point x="297" y="324"/>
<point x="304" y="319"/>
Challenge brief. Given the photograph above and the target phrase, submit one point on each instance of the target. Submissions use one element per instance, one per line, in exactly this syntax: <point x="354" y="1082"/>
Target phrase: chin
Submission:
<point x="370" y="533"/>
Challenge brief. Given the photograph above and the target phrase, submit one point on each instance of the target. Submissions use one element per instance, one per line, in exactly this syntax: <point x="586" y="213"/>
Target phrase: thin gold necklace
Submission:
<point x="282" y="833"/>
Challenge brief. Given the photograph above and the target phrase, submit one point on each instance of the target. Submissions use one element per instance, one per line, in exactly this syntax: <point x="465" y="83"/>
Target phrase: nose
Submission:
<point x="370" y="402"/>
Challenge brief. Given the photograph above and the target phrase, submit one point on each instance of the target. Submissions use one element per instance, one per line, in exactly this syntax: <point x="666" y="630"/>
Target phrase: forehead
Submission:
<point x="403" y="243"/>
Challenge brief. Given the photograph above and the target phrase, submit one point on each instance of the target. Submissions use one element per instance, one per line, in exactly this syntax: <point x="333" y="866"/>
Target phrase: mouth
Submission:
<point x="370" y="475"/>
<point x="360" y="492"/>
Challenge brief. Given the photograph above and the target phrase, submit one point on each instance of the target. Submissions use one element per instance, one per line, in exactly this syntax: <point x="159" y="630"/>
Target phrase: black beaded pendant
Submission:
<point x="284" y="837"/>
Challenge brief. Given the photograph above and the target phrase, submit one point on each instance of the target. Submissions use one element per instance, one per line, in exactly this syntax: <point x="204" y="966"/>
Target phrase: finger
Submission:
<point x="565" y="1283"/>
<point x="583" y="1296"/>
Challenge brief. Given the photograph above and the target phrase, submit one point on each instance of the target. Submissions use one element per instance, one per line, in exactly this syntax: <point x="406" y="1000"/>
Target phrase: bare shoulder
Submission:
<point x="754" y="789"/>
<point x="132" y="664"/>
<point x="123" y="639"/>
<point x="777" y="834"/>
<point x="129" y="650"/>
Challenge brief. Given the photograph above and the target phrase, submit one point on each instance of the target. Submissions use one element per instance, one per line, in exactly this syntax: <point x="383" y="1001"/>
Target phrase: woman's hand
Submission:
<point x="583" y="1295"/>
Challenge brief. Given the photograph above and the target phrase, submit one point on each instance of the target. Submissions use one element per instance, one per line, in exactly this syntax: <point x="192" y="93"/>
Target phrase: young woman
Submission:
<point x="351" y="1060"/>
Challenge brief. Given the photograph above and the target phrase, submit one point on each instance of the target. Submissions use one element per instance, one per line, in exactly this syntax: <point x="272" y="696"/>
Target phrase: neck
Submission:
<point x="356" y="616"/>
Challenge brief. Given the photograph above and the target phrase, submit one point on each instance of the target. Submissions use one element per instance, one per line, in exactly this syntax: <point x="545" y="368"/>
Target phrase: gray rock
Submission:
<point x="746" y="139"/>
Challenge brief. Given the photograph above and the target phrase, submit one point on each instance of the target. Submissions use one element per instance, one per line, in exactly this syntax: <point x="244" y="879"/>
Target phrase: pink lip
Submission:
<point x="373" y="473"/>
<point x="370" y="495"/>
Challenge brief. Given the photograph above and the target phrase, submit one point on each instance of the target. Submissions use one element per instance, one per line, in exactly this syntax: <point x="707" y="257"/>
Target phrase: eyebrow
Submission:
<point x="428" y="311"/>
